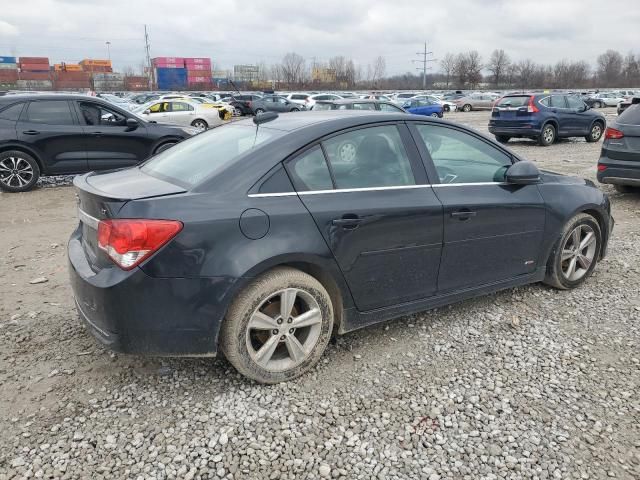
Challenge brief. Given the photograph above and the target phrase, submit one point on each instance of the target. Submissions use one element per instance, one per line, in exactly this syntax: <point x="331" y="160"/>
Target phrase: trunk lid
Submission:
<point x="102" y="195"/>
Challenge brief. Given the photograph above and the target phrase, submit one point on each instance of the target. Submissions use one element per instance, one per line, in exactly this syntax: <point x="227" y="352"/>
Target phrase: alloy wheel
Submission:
<point x="548" y="134"/>
<point x="578" y="252"/>
<point x="284" y="329"/>
<point x="15" y="172"/>
<point x="200" y="125"/>
<point x="596" y="132"/>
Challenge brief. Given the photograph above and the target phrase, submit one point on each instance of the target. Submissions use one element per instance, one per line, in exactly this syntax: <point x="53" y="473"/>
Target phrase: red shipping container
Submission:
<point x="34" y="67"/>
<point x="72" y="84"/>
<point x="8" y="76"/>
<point x="167" y="60"/>
<point x="197" y="61"/>
<point x="169" y="65"/>
<point x="36" y="60"/>
<point x="72" y="76"/>
<point x="192" y="80"/>
<point x="34" y="76"/>
<point x="198" y="68"/>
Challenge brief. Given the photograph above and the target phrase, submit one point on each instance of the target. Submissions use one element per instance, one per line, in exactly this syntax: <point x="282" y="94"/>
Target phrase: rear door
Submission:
<point x="376" y="211"/>
<point x="109" y="142"/>
<point x="52" y="129"/>
<point x="493" y="231"/>
<point x="181" y="113"/>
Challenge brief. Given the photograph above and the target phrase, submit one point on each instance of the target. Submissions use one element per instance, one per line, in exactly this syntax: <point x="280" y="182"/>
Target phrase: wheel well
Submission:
<point x="164" y="141"/>
<point x="598" y="120"/>
<point x="200" y="119"/>
<point x="328" y="283"/>
<point x="28" y="152"/>
<point x="598" y="216"/>
<point x="552" y="122"/>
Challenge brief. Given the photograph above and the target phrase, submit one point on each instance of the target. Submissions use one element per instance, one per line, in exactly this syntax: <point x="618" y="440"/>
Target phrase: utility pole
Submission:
<point x="108" y="50"/>
<point x="424" y="62"/>
<point x="148" y="52"/>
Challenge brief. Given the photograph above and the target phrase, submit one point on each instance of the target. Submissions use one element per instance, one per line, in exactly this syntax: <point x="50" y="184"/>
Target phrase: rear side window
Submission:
<point x="310" y="171"/>
<point x="631" y="116"/>
<point x="558" y="101"/>
<point x="364" y="106"/>
<point x="545" y="101"/>
<point x="513" y="102"/>
<point x="322" y="106"/>
<point x="54" y="112"/>
<point x="386" y="107"/>
<point x="299" y="97"/>
<point x="12" y="113"/>
<point x="193" y="160"/>
<point x="369" y="157"/>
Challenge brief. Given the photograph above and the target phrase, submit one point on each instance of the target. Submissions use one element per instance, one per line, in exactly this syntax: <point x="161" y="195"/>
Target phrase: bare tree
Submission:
<point x="610" y="67"/>
<point x="379" y="69"/>
<point x="631" y="69"/>
<point x="293" y="70"/>
<point x="525" y="71"/>
<point x="461" y="69"/>
<point x="498" y="65"/>
<point x="474" y="68"/>
<point x="448" y="64"/>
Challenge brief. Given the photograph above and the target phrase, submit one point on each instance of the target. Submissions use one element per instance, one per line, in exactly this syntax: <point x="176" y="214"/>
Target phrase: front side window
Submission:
<point x="55" y="112"/>
<point x="557" y="101"/>
<point x="310" y="171"/>
<point x="95" y="114"/>
<point x="575" y="103"/>
<point x="385" y="107"/>
<point x="460" y="157"/>
<point x="369" y="157"/>
<point x="158" y="107"/>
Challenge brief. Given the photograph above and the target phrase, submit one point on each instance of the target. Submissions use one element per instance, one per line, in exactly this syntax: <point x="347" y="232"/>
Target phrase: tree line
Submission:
<point x="465" y="70"/>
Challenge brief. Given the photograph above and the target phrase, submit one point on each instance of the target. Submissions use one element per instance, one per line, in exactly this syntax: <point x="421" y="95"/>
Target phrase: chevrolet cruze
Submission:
<point x="261" y="239"/>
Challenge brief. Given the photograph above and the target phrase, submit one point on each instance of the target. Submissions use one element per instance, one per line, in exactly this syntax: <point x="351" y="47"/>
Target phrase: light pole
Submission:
<point x="108" y="50"/>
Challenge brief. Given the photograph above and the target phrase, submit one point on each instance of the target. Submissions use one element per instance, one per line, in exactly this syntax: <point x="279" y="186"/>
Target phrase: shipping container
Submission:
<point x="8" y="60"/>
<point x="107" y="76"/>
<point x="96" y="69"/>
<point x="84" y="76"/>
<point x="34" y="76"/>
<point x="171" y="78"/>
<point x="33" y="67"/>
<point x="72" y="85"/>
<point x="95" y="63"/>
<point x="8" y="76"/>
<point x="198" y="68"/>
<point x="8" y="66"/>
<point x="156" y="60"/>
<point x="197" y="61"/>
<point x="67" y="67"/>
<point x="168" y="65"/>
<point x="36" y="60"/>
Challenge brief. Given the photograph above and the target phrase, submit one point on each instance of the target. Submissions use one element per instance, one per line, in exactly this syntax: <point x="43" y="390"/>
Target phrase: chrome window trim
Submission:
<point x="88" y="219"/>
<point x="373" y="189"/>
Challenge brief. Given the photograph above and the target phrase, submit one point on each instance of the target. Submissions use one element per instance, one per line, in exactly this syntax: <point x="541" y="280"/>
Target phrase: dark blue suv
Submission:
<point x="545" y="117"/>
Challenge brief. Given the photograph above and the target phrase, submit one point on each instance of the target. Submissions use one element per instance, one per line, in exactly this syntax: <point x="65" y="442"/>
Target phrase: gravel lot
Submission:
<point x="527" y="383"/>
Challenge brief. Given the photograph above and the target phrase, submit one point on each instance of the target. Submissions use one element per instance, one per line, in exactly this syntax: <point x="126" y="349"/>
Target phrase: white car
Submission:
<point x="180" y="112"/>
<point x="118" y="101"/>
<point x="311" y="101"/>
<point x="607" y="99"/>
<point x="403" y="97"/>
<point x="299" y="98"/>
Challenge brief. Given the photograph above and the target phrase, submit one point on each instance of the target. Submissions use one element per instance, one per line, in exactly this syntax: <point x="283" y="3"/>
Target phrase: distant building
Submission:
<point x="323" y="75"/>
<point x="245" y="73"/>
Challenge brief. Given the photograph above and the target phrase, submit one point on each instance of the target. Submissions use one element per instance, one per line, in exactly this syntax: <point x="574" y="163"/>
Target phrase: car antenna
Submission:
<point x="261" y="118"/>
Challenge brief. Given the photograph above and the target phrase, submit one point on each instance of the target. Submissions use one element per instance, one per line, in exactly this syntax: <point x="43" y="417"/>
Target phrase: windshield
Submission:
<point x="193" y="160"/>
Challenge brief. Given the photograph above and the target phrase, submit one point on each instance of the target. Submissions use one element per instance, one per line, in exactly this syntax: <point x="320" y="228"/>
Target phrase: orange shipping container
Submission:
<point x="67" y="67"/>
<point x="95" y="63"/>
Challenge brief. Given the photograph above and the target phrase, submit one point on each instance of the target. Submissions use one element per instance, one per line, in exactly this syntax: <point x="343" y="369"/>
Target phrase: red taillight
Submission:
<point x="602" y="168"/>
<point x="128" y="242"/>
<point x="531" y="108"/>
<point x="613" y="134"/>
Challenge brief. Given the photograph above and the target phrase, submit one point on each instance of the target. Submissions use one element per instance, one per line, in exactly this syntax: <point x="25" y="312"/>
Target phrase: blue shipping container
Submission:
<point x="8" y="60"/>
<point x="171" y="78"/>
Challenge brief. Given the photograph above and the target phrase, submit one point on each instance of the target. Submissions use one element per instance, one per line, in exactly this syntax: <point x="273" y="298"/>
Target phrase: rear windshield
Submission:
<point x="631" y="116"/>
<point x="193" y="160"/>
<point x="514" y="102"/>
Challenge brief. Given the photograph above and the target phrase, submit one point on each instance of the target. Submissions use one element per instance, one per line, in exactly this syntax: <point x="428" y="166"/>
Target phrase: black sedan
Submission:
<point x="619" y="162"/>
<point x="68" y="134"/>
<point x="259" y="239"/>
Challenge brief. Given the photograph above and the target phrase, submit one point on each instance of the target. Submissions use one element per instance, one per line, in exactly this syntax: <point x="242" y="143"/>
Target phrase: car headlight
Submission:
<point x="190" y="130"/>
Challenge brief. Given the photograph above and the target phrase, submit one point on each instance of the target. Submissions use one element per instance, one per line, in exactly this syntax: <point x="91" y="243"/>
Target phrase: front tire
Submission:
<point x="503" y="138"/>
<point x="259" y="111"/>
<point x="435" y="115"/>
<point x="278" y="327"/>
<point x="575" y="254"/>
<point x="595" y="133"/>
<point x="466" y="108"/>
<point x="19" y="171"/>
<point x="548" y="135"/>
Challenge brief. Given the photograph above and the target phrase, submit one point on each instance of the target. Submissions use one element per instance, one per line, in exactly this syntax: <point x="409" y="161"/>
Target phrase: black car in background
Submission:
<point x="262" y="241"/>
<point x="619" y="162"/>
<point x="622" y="106"/>
<point x="68" y="134"/>
<point x="243" y="103"/>
<point x="358" y="104"/>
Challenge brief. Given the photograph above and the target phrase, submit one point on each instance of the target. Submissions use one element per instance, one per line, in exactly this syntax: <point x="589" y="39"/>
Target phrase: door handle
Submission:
<point x="348" y="222"/>
<point x="31" y="132"/>
<point x="463" y="214"/>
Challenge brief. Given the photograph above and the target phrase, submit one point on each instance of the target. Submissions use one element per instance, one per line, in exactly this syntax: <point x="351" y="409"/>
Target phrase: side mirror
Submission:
<point x="585" y="108"/>
<point x="146" y="112"/>
<point x="523" y="173"/>
<point x="132" y="123"/>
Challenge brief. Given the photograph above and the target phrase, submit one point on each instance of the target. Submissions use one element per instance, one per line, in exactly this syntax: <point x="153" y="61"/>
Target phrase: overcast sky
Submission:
<point x="250" y="31"/>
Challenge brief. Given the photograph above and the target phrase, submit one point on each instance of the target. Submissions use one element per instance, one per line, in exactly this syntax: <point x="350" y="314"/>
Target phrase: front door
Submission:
<point x="579" y="121"/>
<point x="381" y="222"/>
<point x="559" y="107"/>
<point x="109" y="142"/>
<point x="51" y="128"/>
<point x="493" y="231"/>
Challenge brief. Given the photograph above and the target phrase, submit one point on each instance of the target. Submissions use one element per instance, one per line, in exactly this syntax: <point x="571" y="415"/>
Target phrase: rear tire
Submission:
<point x="624" y="188"/>
<point x="575" y="254"/>
<point x="259" y="111"/>
<point x="295" y="110"/>
<point x="200" y="124"/>
<point x="466" y="108"/>
<point x="595" y="134"/>
<point x="259" y="336"/>
<point x="19" y="171"/>
<point x="435" y="115"/>
<point x="548" y="135"/>
<point x="503" y="138"/>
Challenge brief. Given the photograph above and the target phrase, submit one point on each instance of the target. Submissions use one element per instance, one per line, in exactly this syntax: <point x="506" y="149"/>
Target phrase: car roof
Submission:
<point x="27" y="96"/>
<point x="347" y="101"/>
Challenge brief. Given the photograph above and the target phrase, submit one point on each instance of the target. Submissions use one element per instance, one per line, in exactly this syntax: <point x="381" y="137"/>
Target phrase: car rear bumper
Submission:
<point x="619" y="172"/>
<point x="131" y="312"/>
<point x="524" y="130"/>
